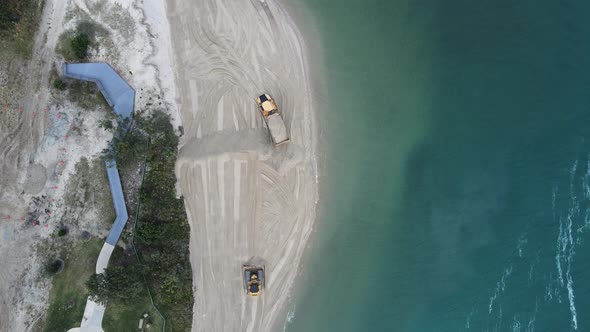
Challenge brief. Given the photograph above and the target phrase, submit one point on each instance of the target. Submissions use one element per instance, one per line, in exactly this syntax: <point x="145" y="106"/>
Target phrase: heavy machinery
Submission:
<point x="273" y="119"/>
<point x="253" y="279"/>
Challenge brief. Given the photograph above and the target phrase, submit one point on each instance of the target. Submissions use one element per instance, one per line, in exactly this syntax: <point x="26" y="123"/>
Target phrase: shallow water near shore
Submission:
<point x="456" y="186"/>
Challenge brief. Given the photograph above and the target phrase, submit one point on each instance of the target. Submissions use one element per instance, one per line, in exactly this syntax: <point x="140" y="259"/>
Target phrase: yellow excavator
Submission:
<point x="253" y="279"/>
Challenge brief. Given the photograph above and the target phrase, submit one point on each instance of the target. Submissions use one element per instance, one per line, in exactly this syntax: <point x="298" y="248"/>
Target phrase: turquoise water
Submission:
<point x="456" y="190"/>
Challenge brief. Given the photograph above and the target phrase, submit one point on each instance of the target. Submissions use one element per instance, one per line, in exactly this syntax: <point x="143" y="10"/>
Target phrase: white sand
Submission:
<point x="247" y="201"/>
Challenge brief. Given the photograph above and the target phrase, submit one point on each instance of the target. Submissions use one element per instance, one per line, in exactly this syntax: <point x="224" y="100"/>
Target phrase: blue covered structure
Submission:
<point x="118" y="202"/>
<point x="118" y="93"/>
<point x="121" y="97"/>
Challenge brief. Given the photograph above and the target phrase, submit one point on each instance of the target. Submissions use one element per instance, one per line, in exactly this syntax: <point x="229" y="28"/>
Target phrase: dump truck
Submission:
<point x="253" y="279"/>
<point x="273" y="119"/>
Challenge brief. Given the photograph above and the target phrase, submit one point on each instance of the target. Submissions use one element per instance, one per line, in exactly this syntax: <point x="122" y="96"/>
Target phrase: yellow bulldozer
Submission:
<point x="253" y="279"/>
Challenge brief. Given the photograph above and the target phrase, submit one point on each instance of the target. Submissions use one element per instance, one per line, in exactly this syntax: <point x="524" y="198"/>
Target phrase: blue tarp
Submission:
<point x="121" y="98"/>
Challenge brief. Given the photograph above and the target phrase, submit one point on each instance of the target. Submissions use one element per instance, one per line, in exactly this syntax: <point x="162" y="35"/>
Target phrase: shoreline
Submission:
<point x="311" y="37"/>
<point x="216" y="75"/>
<point x="306" y="26"/>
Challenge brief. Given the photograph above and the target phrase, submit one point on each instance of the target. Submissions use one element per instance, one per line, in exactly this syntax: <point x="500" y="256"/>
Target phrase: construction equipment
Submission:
<point x="253" y="279"/>
<point x="273" y="119"/>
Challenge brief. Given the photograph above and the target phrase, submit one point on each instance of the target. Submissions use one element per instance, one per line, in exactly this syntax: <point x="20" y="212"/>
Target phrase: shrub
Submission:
<point x="80" y="44"/>
<point x="54" y="267"/>
<point x="106" y="124"/>
<point x="59" y="84"/>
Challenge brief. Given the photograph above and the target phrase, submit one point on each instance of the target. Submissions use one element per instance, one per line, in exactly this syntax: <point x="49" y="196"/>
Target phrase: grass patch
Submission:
<point x="19" y="21"/>
<point x="68" y="295"/>
<point x="64" y="46"/>
<point x="126" y="316"/>
<point x="88" y="189"/>
<point x="85" y="95"/>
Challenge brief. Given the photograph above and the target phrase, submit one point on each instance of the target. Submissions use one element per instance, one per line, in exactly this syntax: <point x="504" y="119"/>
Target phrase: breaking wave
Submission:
<point x="500" y="288"/>
<point x="567" y="239"/>
<point x="553" y="282"/>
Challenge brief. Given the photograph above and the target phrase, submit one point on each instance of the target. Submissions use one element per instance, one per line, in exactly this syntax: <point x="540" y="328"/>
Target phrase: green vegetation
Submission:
<point x="86" y="95"/>
<point x="88" y="189"/>
<point x="124" y="314"/>
<point x="67" y="298"/>
<point x="19" y="20"/>
<point x="59" y="84"/>
<point x="69" y="292"/>
<point x="80" y="44"/>
<point x="162" y="230"/>
<point x="54" y="266"/>
<point x="129" y="143"/>
<point x="74" y="45"/>
<point x="106" y="124"/>
<point x="125" y="317"/>
<point x="119" y="284"/>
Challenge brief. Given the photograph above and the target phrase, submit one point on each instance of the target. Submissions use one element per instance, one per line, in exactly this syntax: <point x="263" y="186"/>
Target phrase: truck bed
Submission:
<point x="277" y="128"/>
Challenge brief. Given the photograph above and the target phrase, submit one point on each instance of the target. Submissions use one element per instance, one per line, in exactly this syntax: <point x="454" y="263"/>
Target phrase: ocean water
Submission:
<point x="456" y="186"/>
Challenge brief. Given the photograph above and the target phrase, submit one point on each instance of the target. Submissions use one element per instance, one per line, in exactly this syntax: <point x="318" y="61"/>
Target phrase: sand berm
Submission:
<point x="247" y="200"/>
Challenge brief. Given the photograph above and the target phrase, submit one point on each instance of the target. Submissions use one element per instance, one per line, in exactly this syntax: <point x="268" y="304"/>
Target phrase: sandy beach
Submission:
<point x="247" y="200"/>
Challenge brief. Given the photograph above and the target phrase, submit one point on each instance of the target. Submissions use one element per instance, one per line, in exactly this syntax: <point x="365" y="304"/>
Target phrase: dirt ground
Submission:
<point x="247" y="200"/>
<point x="21" y="174"/>
<point x="43" y="137"/>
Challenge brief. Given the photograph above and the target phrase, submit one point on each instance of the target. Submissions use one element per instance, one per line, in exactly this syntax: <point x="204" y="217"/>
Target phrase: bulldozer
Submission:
<point x="253" y="279"/>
